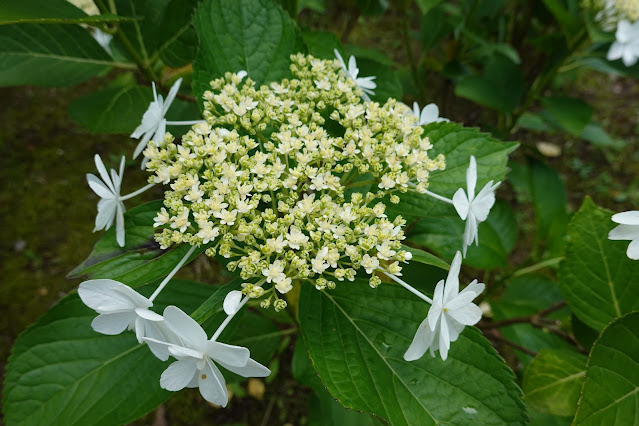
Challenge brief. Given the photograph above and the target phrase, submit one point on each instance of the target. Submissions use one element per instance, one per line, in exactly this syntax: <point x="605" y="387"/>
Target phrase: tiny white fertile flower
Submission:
<point x="274" y="272"/>
<point x="284" y="286"/>
<point x="370" y="263"/>
<point x="110" y="207"/>
<point x="626" y="45"/>
<point x="628" y="229"/>
<point x="120" y="308"/>
<point x="196" y="357"/>
<point x="232" y="302"/>
<point x="365" y="83"/>
<point x="153" y="124"/>
<point x="473" y="209"/>
<point x="451" y="311"/>
<point x="430" y="114"/>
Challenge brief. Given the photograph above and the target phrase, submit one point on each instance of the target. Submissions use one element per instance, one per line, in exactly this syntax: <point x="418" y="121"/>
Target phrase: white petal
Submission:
<point x="158" y="331"/>
<point x="112" y="324"/>
<point x="460" y="301"/>
<point x="474" y="287"/>
<point x="615" y="52"/>
<point x="106" y="214"/>
<point x="366" y="84"/>
<point x="139" y="329"/>
<point x="416" y="110"/>
<point x="241" y="74"/>
<point x="182" y="352"/>
<point x="633" y="250"/>
<point x="212" y="385"/>
<point x="148" y="315"/>
<point x="470" y="233"/>
<point x="340" y="59"/>
<point x="185" y="327"/>
<point x="469" y="315"/>
<point x="435" y="310"/>
<point x="171" y="96"/>
<point x="484" y="201"/>
<point x="102" y="294"/>
<point x="352" y="67"/>
<point x="624" y="31"/>
<point x="99" y="187"/>
<point x="251" y="369"/>
<point x="140" y="147"/>
<point x="471" y="178"/>
<point x="461" y="203"/>
<point x="451" y="289"/>
<point x="624" y="232"/>
<point x="444" y="338"/>
<point x="421" y="342"/>
<point x="179" y="374"/>
<point x="103" y="172"/>
<point x="160" y="131"/>
<point x="627" y="218"/>
<point x="236" y="356"/>
<point x="119" y="226"/>
<point x="232" y="302"/>
<point x="136" y="299"/>
<point x="629" y="57"/>
<point x="429" y="114"/>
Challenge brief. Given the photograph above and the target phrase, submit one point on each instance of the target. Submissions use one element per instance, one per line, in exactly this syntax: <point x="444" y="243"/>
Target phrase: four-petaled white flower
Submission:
<point x="196" y="357"/>
<point x="451" y="311"/>
<point x="628" y="229"/>
<point x="153" y="124"/>
<point x="626" y="45"/>
<point x="473" y="209"/>
<point x="110" y="206"/>
<point x="429" y="114"/>
<point x="120" y="308"/>
<point x="365" y="83"/>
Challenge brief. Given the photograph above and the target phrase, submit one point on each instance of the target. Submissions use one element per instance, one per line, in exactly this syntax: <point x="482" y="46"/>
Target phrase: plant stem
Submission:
<point x="138" y="192"/>
<point x="166" y="280"/>
<point x="184" y="123"/>
<point x="505" y="341"/>
<point x="407" y="287"/>
<point x="439" y="197"/>
<point x="537" y="266"/>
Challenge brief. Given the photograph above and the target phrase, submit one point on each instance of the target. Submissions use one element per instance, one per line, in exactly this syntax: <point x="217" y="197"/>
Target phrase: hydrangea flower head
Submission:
<point x="365" y="83"/>
<point x="267" y="179"/>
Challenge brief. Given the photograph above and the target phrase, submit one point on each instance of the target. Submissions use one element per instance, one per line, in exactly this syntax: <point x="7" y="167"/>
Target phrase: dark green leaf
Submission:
<point x="321" y="44"/>
<point x="49" y="55"/>
<point x="426" y="258"/>
<point x="49" y="12"/>
<point x="611" y="392"/>
<point x="372" y="7"/>
<point x="356" y="337"/>
<point x="181" y="50"/>
<point x="61" y="372"/>
<point x="553" y="380"/>
<point x="598" y="136"/>
<point x="255" y="36"/>
<point x="597" y="278"/>
<point x="569" y="24"/>
<point x="569" y="114"/>
<point x="141" y="260"/>
<point x="500" y="86"/>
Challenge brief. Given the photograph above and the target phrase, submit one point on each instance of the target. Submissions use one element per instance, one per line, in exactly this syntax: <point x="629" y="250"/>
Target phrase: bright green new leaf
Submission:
<point x="49" y="55"/>
<point x="255" y="36"/>
<point x="141" y="260"/>
<point x="553" y="381"/>
<point x="356" y="337"/>
<point x="61" y="372"/>
<point x="597" y="279"/>
<point x="421" y="256"/>
<point x="611" y="391"/>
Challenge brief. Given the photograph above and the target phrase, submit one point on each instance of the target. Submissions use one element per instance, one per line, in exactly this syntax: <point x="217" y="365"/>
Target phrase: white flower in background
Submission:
<point x="120" y="308"/>
<point x="628" y="229"/>
<point x="626" y="45"/>
<point x="429" y="114"/>
<point x="103" y="39"/>
<point x="153" y="124"/>
<point x="365" y="83"/>
<point x="110" y="206"/>
<point x="451" y="311"/>
<point x="473" y="209"/>
<point x="196" y="357"/>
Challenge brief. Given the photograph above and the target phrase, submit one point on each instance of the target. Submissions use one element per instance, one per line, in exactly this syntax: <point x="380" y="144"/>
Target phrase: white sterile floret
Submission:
<point x="628" y="229"/>
<point x="153" y="126"/>
<point x="232" y="302"/>
<point x="110" y="206"/>
<point x="450" y="312"/>
<point x="121" y="308"/>
<point x="365" y="83"/>
<point x="196" y="358"/>
<point x="473" y="209"/>
<point x="626" y="44"/>
<point x="429" y="114"/>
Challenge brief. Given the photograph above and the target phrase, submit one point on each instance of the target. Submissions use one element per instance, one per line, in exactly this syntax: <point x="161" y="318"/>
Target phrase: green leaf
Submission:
<point x="255" y="36"/>
<point x="49" y="55"/>
<point x="356" y="337"/>
<point x="372" y="62"/>
<point x="457" y="144"/>
<point x="421" y="256"/>
<point x="214" y="303"/>
<point x="321" y="44"/>
<point x="598" y="136"/>
<point x="611" y="391"/>
<point x="426" y="5"/>
<point x="569" y="23"/>
<point x="434" y="25"/>
<point x="61" y="372"/>
<point x="48" y="12"/>
<point x="553" y="380"/>
<point x="569" y="114"/>
<point x="182" y="49"/>
<point x="141" y="260"/>
<point x="597" y="278"/>
<point x="372" y="7"/>
<point x="500" y="86"/>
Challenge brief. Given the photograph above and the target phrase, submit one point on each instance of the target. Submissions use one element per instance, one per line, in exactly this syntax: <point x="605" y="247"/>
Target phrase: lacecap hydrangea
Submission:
<point x="286" y="180"/>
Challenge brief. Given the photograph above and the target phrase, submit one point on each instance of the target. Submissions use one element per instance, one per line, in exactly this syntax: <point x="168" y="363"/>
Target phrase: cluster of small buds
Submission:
<point x="270" y="181"/>
<point x="611" y="12"/>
